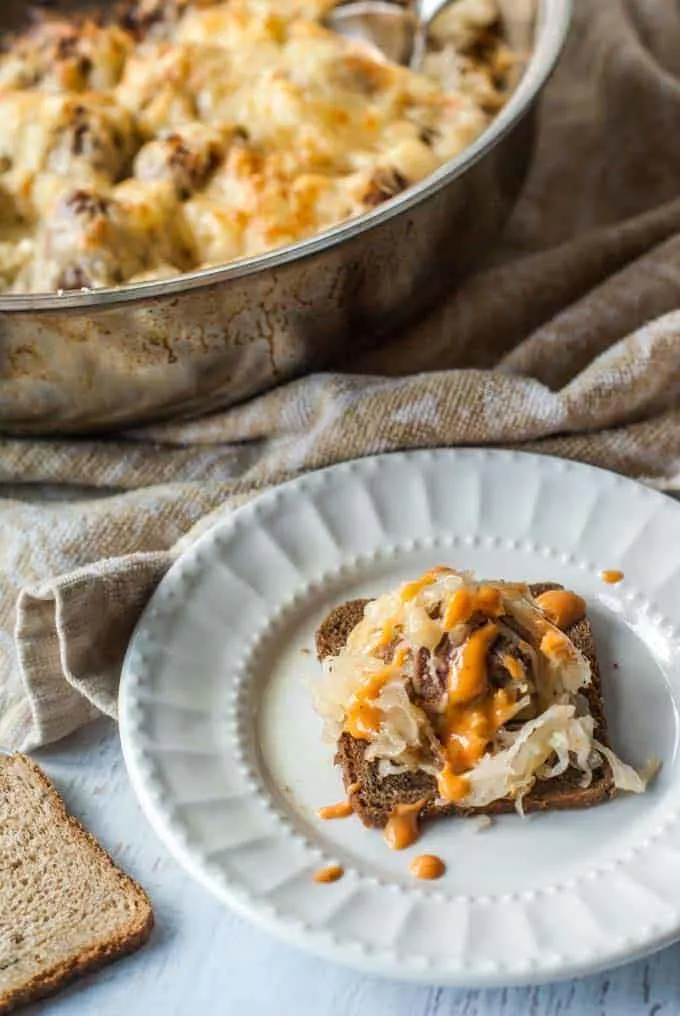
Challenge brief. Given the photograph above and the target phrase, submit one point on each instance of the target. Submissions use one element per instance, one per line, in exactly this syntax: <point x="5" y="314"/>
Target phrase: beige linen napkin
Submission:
<point x="567" y="343"/>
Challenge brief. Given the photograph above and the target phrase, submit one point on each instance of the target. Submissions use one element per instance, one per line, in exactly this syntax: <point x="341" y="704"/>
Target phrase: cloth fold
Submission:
<point x="567" y="343"/>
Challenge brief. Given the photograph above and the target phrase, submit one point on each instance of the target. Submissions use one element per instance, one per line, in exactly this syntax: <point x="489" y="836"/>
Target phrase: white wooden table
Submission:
<point x="202" y="959"/>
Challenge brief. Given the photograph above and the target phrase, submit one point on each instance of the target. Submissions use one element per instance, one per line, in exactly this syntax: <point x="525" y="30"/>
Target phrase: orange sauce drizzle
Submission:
<point x="469" y="729"/>
<point x="556" y="645"/>
<point x="458" y="609"/>
<point x="514" y="667"/>
<point x="562" y="607"/>
<point x="611" y="576"/>
<point x="363" y="717"/>
<point x="330" y="874"/>
<point x="402" y="827"/>
<point x="410" y="590"/>
<point x="427" y="866"/>
<point x="464" y="603"/>
<point x="386" y="636"/>
<point x="474" y="712"/>
<point x="343" y="809"/>
<point x="469" y="679"/>
<point x="451" y="786"/>
<point x="473" y="715"/>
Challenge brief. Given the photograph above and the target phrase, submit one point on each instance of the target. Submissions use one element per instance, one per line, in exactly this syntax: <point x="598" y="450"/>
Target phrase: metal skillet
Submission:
<point x="207" y="339"/>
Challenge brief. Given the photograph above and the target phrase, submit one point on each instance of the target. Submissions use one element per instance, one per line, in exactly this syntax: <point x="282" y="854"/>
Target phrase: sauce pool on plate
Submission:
<point x="427" y="866"/>
<point x="330" y="874"/>
<point x="611" y="576"/>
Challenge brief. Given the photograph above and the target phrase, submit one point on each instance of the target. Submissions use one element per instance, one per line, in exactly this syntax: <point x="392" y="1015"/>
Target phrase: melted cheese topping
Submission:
<point x="209" y="131"/>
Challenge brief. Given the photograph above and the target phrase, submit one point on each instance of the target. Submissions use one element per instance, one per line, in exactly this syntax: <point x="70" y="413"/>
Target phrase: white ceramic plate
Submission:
<point x="226" y="754"/>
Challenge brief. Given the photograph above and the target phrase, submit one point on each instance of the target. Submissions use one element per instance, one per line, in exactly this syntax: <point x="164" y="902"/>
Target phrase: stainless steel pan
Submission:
<point x="205" y="340"/>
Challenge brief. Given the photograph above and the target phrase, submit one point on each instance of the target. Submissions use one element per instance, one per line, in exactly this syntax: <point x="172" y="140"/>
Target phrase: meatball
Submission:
<point x="66" y="56"/>
<point x="384" y="184"/>
<point x="187" y="157"/>
<point x="95" y="239"/>
<point x="96" y="132"/>
<point x="80" y="137"/>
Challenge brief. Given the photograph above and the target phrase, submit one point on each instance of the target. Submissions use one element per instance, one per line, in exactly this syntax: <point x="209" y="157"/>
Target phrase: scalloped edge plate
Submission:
<point x="226" y="755"/>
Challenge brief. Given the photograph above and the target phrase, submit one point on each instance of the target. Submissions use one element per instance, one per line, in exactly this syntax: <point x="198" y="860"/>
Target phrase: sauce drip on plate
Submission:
<point x="427" y="866"/>
<point x="330" y="874"/>
<point x="402" y="827"/>
<point x="343" y="809"/>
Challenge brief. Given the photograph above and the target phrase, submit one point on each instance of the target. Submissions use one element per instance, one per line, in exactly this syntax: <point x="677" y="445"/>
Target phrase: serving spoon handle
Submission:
<point x="364" y="19"/>
<point x="426" y="11"/>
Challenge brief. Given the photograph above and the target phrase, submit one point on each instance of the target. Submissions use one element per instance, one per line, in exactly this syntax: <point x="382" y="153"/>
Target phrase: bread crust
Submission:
<point x="129" y="939"/>
<point x="375" y="798"/>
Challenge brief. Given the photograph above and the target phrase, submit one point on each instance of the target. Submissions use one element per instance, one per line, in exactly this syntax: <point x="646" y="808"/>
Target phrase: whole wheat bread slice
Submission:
<point x="65" y="908"/>
<point x="373" y="798"/>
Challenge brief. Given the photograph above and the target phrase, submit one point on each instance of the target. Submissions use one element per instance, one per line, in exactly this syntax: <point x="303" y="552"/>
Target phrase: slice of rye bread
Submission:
<point x="65" y="908"/>
<point x="375" y="798"/>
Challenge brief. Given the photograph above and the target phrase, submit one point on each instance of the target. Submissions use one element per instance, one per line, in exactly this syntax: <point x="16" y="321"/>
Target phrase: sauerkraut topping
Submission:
<point x="473" y="682"/>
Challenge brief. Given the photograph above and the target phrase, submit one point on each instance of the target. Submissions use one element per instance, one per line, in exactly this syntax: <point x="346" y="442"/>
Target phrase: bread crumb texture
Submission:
<point x="65" y="908"/>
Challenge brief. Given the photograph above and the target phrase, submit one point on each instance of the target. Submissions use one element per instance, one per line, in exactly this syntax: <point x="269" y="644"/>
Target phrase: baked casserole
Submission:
<point x="178" y="135"/>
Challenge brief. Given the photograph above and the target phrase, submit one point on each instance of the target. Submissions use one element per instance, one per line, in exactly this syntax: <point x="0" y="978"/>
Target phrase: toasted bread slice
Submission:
<point x="376" y="797"/>
<point x="65" y="908"/>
